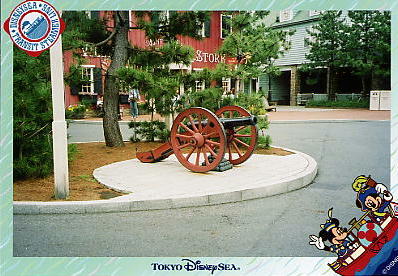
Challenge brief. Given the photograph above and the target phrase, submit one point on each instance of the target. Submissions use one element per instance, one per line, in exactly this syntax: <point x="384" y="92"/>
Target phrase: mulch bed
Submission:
<point x="82" y="185"/>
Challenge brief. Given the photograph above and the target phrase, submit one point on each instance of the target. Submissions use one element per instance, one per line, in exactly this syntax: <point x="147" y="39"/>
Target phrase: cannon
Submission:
<point x="200" y="138"/>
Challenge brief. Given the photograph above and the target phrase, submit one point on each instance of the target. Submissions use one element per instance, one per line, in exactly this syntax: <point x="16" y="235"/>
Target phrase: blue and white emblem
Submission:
<point x="34" y="26"/>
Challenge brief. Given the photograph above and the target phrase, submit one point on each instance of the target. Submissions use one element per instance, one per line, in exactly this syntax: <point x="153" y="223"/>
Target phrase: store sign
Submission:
<point x="34" y="26"/>
<point x="209" y="57"/>
<point x="152" y="43"/>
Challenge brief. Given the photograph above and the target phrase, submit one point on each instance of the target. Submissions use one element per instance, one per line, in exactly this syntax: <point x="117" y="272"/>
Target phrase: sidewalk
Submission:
<point x="296" y="113"/>
<point x="300" y="113"/>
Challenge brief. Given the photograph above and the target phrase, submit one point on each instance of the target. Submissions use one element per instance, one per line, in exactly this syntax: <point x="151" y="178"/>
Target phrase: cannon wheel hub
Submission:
<point x="198" y="140"/>
<point x="197" y="134"/>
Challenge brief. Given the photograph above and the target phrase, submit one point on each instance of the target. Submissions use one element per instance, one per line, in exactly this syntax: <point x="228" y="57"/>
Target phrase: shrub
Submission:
<point x="149" y="131"/>
<point x="32" y="116"/>
<point x="143" y="108"/>
<point x="252" y="102"/>
<point x="264" y="142"/>
<point x="75" y="111"/>
<point x="339" y="104"/>
<point x="209" y="98"/>
<point x="32" y="140"/>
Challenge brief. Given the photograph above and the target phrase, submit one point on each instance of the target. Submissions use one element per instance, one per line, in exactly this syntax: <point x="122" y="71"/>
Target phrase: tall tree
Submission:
<point x="369" y="47"/>
<point x="327" y="47"/>
<point x="149" y="71"/>
<point x="32" y="112"/>
<point x="254" y="45"/>
<point x="165" y="25"/>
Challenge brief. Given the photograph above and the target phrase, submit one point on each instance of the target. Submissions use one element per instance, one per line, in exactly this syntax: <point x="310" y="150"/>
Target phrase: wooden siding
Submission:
<point x="296" y="54"/>
<point x="205" y="49"/>
<point x="280" y="87"/>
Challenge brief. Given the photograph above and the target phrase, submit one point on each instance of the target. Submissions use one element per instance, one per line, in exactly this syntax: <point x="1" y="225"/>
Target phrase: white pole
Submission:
<point x="60" y="146"/>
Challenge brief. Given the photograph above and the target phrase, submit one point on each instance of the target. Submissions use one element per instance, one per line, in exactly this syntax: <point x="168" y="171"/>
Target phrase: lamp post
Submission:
<point x="60" y="146"/>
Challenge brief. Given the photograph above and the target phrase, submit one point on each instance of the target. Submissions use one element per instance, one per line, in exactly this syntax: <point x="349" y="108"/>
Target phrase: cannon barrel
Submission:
<point x="240" y="121"/>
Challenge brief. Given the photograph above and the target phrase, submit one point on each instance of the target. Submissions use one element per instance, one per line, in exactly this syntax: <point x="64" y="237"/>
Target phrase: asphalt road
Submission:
<point x="275" y="226"/>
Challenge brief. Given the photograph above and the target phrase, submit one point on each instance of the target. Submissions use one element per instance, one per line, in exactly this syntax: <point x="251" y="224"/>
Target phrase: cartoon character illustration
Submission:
<point x="336" y="235"/>
<point x="371" y="241"/>
<point x="372" y="196"/>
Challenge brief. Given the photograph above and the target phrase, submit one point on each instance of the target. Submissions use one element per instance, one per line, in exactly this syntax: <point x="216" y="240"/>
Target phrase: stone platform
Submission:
<point x="168" y="184"/>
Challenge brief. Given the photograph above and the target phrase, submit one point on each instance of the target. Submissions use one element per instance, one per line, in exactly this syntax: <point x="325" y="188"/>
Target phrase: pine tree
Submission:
<point x="156" y="25"/>
<point x="327" y="47"/>
<point x="368" y="47"/>
<point x="32" y="139"/>
<point x="253" y="44"/>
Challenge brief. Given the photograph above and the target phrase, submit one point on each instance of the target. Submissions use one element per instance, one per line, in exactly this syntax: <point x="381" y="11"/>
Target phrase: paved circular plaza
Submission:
<point x="168" y="184"/>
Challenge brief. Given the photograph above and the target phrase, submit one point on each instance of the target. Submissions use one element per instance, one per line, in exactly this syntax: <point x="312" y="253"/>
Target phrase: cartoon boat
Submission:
<point x="370" y="237"/>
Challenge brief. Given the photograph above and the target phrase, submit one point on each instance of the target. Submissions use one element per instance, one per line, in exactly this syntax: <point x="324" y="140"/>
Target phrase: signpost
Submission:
<point x="60" y="146"/>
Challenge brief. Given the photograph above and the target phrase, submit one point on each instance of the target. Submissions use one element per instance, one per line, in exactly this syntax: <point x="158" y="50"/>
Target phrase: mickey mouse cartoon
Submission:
<point x="336" y="235"/>
<point x="371" y="196"/>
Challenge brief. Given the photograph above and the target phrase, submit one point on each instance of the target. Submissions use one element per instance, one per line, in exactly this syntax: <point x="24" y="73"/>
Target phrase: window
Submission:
<point x="226" y="26"/>
<point x="131" y="19"/>
<point x="88" y="75"/>
<point x="160" y="18"/>
<point x="285" y="15"/>
<point x="226" y="84"/>
<point x="164" y="16"/>
<point x="204" y="31"/>
<point x="199" y="85"/>
<point x="92" y="14"/>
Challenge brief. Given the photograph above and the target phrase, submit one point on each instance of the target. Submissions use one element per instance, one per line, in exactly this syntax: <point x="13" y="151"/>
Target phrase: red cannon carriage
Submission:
<point x="200" y="139"/>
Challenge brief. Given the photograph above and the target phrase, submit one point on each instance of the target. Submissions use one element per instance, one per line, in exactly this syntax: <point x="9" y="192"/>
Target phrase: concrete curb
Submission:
<point x="324" y="121"/>
<point x="127" y="204"/>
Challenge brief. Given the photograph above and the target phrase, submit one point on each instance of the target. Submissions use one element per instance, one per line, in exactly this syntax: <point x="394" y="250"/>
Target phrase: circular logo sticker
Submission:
<point x="34" y="26"/>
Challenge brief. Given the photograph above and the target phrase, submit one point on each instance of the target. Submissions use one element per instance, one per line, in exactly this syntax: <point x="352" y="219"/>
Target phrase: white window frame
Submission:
<point x="221" y="16"/>
<point x="201" y="31"/>
<point x="200" y="85"/>
<point x="285" y="15"/>
<point x="164" y="16"/>
<point x="257" y="85"/>
<point x="91" y="86"/>
<point x="226" y="84"/>
<point x="130" y="19"/>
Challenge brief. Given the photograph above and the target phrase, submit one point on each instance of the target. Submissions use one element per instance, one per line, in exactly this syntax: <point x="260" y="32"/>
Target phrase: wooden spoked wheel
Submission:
<point x="241" y="140"/>
<point x="196" y="134"/>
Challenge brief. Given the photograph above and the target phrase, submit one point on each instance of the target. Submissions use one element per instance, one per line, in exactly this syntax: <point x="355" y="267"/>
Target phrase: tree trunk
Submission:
<point x="365" y="85"/>
<point x="377" y="82"/>
<point x="331" y="83"/>
<point x="328" y="79"/>
<point x="113" y="136"/>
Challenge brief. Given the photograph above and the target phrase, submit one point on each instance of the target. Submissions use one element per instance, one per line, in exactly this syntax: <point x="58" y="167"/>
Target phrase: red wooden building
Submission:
<point x="213" y="32"/>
